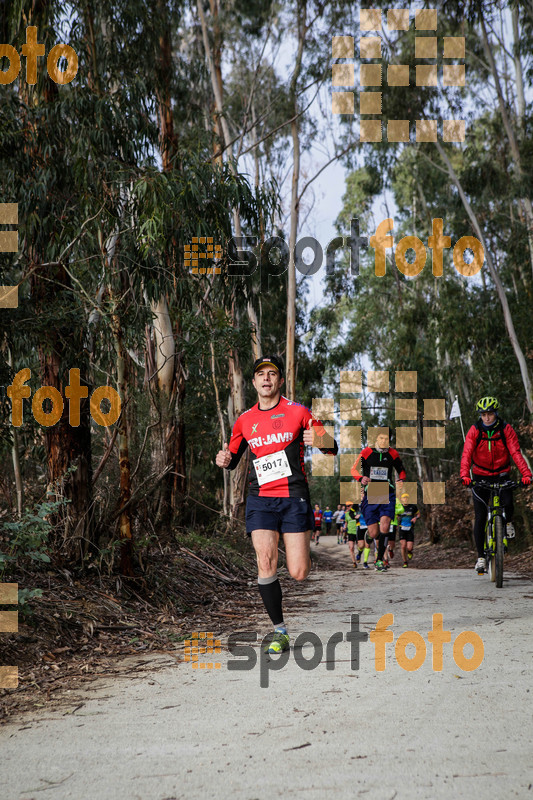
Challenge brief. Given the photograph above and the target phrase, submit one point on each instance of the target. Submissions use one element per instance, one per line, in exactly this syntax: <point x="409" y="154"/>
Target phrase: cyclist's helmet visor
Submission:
<point x="487" y="404"/>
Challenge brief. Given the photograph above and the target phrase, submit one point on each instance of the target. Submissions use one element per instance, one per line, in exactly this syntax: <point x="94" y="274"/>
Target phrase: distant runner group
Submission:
<point x="276" y="431"/>
<point x="351" y="528"/>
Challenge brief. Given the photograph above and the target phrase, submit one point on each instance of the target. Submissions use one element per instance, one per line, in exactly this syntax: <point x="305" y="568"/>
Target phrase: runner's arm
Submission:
<point x="398" y="465"/>
<point x="237" y="445"/>
<point x="309" y="422"/>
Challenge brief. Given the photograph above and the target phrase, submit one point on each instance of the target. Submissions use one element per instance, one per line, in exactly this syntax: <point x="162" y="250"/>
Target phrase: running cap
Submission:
<point x="269" y="361"/>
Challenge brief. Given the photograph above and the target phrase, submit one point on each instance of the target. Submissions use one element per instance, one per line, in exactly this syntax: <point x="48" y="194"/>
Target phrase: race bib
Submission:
<point x="272" y="468"/>
<point x="379" y="474"/>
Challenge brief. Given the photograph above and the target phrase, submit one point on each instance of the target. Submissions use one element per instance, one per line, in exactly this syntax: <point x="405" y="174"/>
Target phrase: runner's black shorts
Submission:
<point x="282" y="514"/>
<point x="409" y="535"/>
<point x="353" y="537"/>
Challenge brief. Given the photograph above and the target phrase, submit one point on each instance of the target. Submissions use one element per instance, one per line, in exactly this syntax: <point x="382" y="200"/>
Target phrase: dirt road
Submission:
<point x="178" y="732"/>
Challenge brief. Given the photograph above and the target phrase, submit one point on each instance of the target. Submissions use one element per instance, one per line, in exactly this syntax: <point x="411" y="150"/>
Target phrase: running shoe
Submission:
<point x="405" y="564"/>
<point x="355" y="565"/>
<point x="380" y="566"/>
<point x="481" y="566"/>
<point x="358" y="557"/>
<point x="510" y="533"/>
<point x="390" y="554"/>
<point x="279" y="643"/>
<point x="365" y="565"/>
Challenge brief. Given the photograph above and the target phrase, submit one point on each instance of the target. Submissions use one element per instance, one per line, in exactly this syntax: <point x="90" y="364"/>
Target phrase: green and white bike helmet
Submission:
<point x="487" y="404"/>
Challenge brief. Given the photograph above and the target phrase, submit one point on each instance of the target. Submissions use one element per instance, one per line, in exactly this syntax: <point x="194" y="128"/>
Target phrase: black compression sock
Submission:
<point x="270" y="591"/>
<point x="381" y="546"/>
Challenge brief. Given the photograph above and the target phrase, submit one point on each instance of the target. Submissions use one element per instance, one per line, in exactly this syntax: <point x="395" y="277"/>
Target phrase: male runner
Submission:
<point x="377" y="465"/>
<point x="352" y="524"/>
<point x="336" y="521"/>
<point x="489" y="446"/>
<point x="276" y="430"/>
<point x="407" y="517"/>
<point x="341" y="519"/>
<point x="317" y="513"/>
<point x="391" y="538"/>
<point x="328" y="516"/>
<point x="363" y="542"/>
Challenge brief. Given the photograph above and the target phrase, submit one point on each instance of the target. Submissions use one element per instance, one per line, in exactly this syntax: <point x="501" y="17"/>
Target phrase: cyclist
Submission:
<point x="317" y="513"/>
<point x="378" y="464"/>
<point x="489" y="446"/>
<point x="328" y="516"/>
<point x="407" y="517"/>
<point x="276" y="430"/>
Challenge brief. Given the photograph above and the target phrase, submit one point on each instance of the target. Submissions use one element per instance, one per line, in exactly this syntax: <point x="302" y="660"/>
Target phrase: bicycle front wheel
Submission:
<point x="498" y="556"/>
<point x="491" y="552"/>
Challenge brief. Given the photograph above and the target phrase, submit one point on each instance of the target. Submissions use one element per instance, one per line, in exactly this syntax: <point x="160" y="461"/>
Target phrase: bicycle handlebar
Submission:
<point x="496" y="485"/>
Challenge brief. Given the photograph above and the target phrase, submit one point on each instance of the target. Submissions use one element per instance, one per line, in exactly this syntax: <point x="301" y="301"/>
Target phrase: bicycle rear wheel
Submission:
<point x="498" y="535"/>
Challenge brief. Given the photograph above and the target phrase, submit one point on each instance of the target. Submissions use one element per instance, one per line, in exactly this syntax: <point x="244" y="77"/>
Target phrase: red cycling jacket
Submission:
<point x="490" y="455"/>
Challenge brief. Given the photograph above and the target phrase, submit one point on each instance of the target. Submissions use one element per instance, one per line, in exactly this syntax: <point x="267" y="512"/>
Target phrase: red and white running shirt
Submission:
<point x="276" y="433"/>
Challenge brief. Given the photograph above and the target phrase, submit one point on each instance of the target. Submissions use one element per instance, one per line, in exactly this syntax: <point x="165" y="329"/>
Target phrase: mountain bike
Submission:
<point x="495" y="527"/>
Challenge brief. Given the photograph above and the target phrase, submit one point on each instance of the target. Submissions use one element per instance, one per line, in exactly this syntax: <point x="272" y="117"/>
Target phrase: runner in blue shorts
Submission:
<point x="377" y="466"/>
<point x="276" y="430"/>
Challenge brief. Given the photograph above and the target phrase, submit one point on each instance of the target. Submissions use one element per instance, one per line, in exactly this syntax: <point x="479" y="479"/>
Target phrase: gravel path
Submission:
<point x="165" y="730"/>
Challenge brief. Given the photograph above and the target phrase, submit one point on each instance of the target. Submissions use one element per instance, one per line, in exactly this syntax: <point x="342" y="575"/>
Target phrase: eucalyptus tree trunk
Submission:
<point x="125" y="528"/>
<point x="166" y="372"/>
<point x="290" y="365"/>
<point x="525" y="201"/>
<point x="509" y="324"/>
<point x="236" y="402"/>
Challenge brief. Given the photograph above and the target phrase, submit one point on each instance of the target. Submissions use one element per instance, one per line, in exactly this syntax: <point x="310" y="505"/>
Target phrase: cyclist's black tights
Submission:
<point x="480" y="510"/>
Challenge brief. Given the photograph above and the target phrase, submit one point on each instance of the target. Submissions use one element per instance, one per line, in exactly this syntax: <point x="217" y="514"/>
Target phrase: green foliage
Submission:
<point x="27" y="538"/>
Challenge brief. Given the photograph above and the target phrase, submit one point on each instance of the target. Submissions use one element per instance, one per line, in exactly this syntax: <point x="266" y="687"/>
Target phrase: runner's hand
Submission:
<point x="525" y="481"/>
<point x="365" y="479"/>
<point x="223" y="458"/>
<point x="466" y="481"/>
<point x="308" y="436"/>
